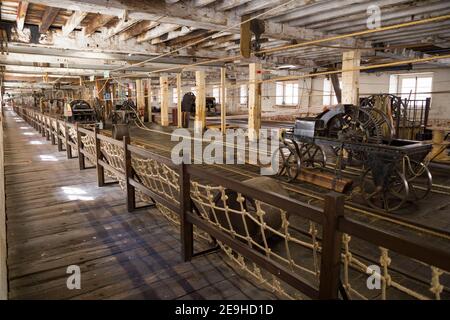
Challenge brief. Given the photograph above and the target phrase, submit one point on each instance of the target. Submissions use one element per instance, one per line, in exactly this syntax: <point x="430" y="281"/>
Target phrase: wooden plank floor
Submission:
<point x="57" y="217"/>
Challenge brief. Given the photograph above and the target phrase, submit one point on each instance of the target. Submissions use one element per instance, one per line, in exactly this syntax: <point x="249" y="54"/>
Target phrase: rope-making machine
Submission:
<point x="393" y="170"/>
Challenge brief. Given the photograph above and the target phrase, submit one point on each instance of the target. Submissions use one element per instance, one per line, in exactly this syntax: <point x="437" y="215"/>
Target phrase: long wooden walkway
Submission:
<point x="57" y="217"/>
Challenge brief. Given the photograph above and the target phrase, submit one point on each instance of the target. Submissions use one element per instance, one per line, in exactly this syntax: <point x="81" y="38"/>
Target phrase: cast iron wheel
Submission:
<point x="290" y="163"/>
<point x="312" y="156"/>
<point x="389" y="198"/>
<point x="419" y="179"/>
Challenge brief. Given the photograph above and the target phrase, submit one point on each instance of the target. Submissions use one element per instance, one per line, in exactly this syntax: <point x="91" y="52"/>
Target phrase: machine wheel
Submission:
<point x="419" y="179"/>
<point x="388" y="198"/>
<point x="312" y="156"/>
<point x="290" y="163"/>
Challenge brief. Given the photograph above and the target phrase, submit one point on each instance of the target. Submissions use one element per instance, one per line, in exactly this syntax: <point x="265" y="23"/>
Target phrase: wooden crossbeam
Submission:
<point x="21" y="14"/>
<point x="74" y="21"/>
<point x="48" y="18"/>
<point x="96" y="23"/>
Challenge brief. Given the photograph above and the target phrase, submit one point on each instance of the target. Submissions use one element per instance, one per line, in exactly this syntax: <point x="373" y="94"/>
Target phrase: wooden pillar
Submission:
<point x="140" y="97"/>
<point x="200" y="102"/>
<point x="254" y="100"/>
<point x="179" y="112"/>
<point x="223" y="101"/>
<point x="149" y="99"/>
<point x="164" y="84"/>
<point x="350" y="79"/>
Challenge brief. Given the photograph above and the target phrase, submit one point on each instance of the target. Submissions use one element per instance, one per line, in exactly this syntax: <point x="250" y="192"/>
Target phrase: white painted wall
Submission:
<point x="311" y="98"/>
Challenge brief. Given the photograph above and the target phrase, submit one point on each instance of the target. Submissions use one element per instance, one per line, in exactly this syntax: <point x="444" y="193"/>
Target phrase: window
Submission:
<point x="412" y="86"/>
<point x="216" y="93"/>
<point x="243" y="94"/>
<point x="329" y="96"/>
<point x="174" y="95"/>
<point x="286" y="93"/>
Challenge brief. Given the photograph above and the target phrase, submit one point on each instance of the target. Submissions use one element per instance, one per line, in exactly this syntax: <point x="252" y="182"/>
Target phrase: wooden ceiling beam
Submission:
<point x="21" y="14"/>
<point x="138" y="29"/>
<point x="74" y="21"/>
<point x="96" y="23"/>
<point x="157" y="32"/>
<point x="48" y="18"/>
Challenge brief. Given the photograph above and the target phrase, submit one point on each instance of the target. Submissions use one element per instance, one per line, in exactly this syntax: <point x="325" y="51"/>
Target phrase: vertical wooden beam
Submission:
<point x="187" y="235"/>
<point x="164" y="84"/>
<point x="331" y="247"/>
<point x="179" y="112"/>
<point x="223" y="101"/>
<point x="81" y="160"/>
<point x="131" y="193"/>
<point x="200" y="102"/>
<point x="21" y="14"/>
<point x="246" y="37"/>
<point x="98" y="156"/>
<point x="254" y="100"/>
<point x="140" y="97"/>
<point x="351" y="60"/>
<point x="149" y="99"/>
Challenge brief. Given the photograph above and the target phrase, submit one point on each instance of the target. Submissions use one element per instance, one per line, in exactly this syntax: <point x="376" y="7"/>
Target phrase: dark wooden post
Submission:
<point x="68" y="146"/>
<point x="52" y="133"/>
<point x="131" y="193"/>
<point x="58" y="136"/>
<point x="187" y="232"/>
<point x="47" y="129"/>
<point x="98" y="156"/>
<point x="42" y="126"/>
<point x="81" y="159"/>
<point x="331" y="247"/>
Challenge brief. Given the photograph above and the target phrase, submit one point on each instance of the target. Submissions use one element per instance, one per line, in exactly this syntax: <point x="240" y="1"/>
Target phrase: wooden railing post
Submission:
<point x="68" y="146"/>
<point x="58" y="136"/>
<point x="331" y="247"/>
<point x="42" y="126"/>
<point x="187" y="232"/>
<point x="131" y="192"/>
<point x="47" y="129"/>
<point x="98" y="156"/>
<point x="81" y="159"/>
<point x="52" y="133"/>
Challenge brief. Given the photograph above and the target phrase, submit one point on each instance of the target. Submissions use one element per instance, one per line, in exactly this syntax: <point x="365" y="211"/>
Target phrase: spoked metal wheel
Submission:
<point x="419" y="179"/>
<point x="312" y="156"/>
<point x="289" y="162"/>
<point x="389" y="197"/>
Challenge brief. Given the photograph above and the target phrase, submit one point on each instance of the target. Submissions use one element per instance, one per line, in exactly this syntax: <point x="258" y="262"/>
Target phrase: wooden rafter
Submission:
<point x="21" y="14"/>
<point x="138" y="29"/>
<point x="73" y="22"/>
<point x="48" y="18"/>
<point x="96" y="23"/>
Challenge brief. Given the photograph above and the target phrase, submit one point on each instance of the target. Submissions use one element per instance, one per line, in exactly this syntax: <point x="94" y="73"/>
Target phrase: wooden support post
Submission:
<point x="179" y="98"/>
<point x="68" y="146"/>
<point x="47" y="129"/>
<point x="149" y="99"/>
<point x="131" y="193"/>
<point x="336" y="86"/>
<point x="351" y="60"/>
<point x="254" y="100"/>
<point x="187" y="231"/>
<point x="58" y="138"/>
<point x="200" y="102"/>
<point x="246" y="37"/>
<point x="81" y="159"/>
<point x="98" y="157"/>
<point x="331" y="247"/>
<point x="223" y="100"/>
<point x="140" y="97"/>
<point x="52" y="134"/>
<point x="164" y="84"/>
